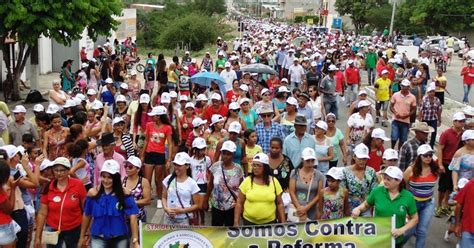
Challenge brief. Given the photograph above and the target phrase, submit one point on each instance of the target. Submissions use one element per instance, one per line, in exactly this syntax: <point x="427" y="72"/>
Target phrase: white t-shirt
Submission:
<point x="356" y="120"/>
<point x="199" y="169"/>
<point x="186" y="190"/>
<point x="228" y="76"/>
<point x="316" y="107"/>
<point x="296" y="72"/>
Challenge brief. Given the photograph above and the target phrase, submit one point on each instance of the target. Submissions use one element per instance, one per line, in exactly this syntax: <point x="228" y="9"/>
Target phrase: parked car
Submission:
<point x="432" y="43"/>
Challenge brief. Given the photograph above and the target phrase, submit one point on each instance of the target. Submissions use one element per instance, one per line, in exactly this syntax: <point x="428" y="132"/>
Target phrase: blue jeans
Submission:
<point x="70" y="238"/>
<point x="467" y="240"/>
<point x="467" y="89"/>
<point x="351" y="93"/>
<point x="399" y="131"/>
<point x="331" y="107"/>
<point x="118" y="242"/>
<point x="425" y="215"/>
<point x="371" y="75"/>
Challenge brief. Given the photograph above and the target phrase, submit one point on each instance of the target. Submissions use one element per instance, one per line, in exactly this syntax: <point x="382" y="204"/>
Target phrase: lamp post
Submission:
<point x="392" y="20"/>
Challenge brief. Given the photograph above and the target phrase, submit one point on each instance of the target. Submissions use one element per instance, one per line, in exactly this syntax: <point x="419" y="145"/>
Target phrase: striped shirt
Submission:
<point x="422" y="187"/>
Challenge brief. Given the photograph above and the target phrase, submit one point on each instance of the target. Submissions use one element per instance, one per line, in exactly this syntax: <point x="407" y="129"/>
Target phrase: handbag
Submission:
<point x="194" y="221"/>
<point x="51" y="237"/>
<point x="292" y="216"/>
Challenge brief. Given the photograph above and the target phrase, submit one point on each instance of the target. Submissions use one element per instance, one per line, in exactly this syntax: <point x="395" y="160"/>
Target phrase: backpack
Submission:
<point x="34" y="97"/>
<point x="3" y="121"/>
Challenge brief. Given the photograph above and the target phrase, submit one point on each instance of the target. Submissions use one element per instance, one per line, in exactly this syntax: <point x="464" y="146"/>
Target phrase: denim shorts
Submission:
<point x="7" y="233"/>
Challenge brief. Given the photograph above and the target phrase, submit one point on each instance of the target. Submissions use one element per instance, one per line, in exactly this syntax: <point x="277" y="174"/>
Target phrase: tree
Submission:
<point x="358" y="10"/>
<point x="25" y="21"/>
<point x="437" y="15"/>
<point x="210" y="6"/>
<point x="379" y="18"/>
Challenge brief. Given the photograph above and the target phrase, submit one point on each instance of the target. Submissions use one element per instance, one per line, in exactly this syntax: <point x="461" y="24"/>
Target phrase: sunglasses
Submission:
<point x="266" y="115"/>
<point x="129" y="166"/>
<point x="245" y="104"/>
<point x="236" y="110"/>
<point x="428" y="155"/>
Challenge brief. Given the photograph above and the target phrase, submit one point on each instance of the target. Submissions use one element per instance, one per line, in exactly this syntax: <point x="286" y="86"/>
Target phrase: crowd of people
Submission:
<point x="264" y="150"/>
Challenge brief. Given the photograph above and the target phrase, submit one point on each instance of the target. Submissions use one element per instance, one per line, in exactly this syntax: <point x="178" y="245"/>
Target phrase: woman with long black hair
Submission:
<point x="140" y="121"/>
<point x="106" y="212"/>
<point x="180" y="195"/>
<point x="157" y="134"/>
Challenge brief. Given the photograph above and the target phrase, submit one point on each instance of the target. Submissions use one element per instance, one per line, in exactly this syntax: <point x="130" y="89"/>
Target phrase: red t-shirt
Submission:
<point x="231" y="96"/>
<point x="465" y="199"/>
<point x="339" y="77"/>
<point x="4" y="218"/>
<point x="467" y="79"/>
<point x="74" y="195"/>
<point x="212" y="111"/>
<point x="352" y="75"/>
<point x="186" y="129"/>
<point x="450" y="140"/>
<point x="157" y="137"/>
<point x="375" y="161"/>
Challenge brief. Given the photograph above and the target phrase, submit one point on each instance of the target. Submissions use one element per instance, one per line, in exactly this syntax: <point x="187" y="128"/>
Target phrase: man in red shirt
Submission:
<point x="468" y="78"/>
<point x="465" y="207"/>
<point x="448" y="144"/>
<point x="216" y="107"/>
<point x="352" y="82"/>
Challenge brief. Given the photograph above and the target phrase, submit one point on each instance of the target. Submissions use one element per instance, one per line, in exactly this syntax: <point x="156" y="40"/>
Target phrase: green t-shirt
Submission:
<point x="404" y="204"/>
<point x="220" y="62"/>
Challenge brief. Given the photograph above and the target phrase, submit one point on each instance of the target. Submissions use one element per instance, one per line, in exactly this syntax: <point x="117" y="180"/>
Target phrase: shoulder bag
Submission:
<point x="51" y="237"/>
<point x="225" y="182"/>
<point x="192" y="221"/>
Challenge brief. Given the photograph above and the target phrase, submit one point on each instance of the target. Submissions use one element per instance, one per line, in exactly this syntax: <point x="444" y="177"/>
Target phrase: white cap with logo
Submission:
<point x="394" y="172"/>
<point x="424" y="149"/>
<point x="336" y="173"/>
<point x="361" y="151"/>
<point x="235" y="127"/>
<point x="229" y="146"/>
<point x="199" y="143"/>
<point x="309" y="153"/>
<point x="390" y="154"/>
<point x="110" y="166"/>
<point x="135" y="161"/>
<point x="379" y="133"/>
<point x="261" y="158"/>
<point x="182" y="158"/>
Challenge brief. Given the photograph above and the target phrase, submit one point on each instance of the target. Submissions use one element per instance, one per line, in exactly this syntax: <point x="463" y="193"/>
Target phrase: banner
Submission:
<point x="339" y="233"/>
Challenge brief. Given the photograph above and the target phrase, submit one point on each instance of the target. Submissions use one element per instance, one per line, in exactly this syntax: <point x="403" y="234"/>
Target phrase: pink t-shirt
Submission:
<point x="99" y="161"/>
<point x="157" y="137"/>
<point x="402" y="105"/>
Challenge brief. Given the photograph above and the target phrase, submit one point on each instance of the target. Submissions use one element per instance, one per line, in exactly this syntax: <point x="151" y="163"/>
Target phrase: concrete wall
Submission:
<point x="44" y="55"/>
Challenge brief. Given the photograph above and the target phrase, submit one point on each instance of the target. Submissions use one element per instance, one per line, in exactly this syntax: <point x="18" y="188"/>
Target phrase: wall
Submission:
<point x="44" y="55"/>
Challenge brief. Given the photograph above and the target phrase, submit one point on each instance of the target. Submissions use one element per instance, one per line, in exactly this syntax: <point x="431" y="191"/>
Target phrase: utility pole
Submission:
<point x="392" y="20"/>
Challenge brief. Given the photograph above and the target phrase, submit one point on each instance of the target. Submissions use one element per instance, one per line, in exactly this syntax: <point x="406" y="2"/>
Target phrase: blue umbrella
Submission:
<point x="205" y="79"/>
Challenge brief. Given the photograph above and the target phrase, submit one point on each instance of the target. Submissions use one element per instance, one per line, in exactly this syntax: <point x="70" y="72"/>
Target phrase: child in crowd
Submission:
<point x="200" y="164"/>
<point x="382" y="96"/>
<point x="335" y="202"/>
<point x="251" y="148"/>
<point x="452" y="203"/>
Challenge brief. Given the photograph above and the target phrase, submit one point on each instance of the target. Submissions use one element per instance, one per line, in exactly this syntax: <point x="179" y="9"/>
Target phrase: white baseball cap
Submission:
<point x="363" y="103"/>
<point x="468" y="110"/>
<point x="91" y="92"/>
<point x="361" y="151"/>
<point x="158" y="110"/>
<point x="38" y="108"/>
<point x="235" y="127"/>
<point x="135" y="161"/>
<point x="19" y="109"/>
<point x="309" y="153"/>
<point x="54" y="108"/>
<point x="189" y="105"/>
<point x="11" y="150"/>
<point x="109" y="81"/>
<point x="81" y="97"/>
<point x="199" y="143"/>
<point x="314" y="64"/>
<point x="394" y="172"/>
<point x="379" y="133"/>
<point x="350" y="61"/>
<point x="244" y="87"/>
<point x="121" y="98"/>
<point x="244" y="100"/>
<point x="362" y="92"/>
<point x="216" y="118"/>
<point x="284" y="80"/>
<point x="198" y="122"/>
<point x="173" y="94"/>
<point x="384" y="72"/>
<point x="62" y="161"/>
<point x="96" y="105"/>
<point x="45" y="164"/>
<point x="165" y="97"/>
<point x="110" y="166"/>
<point x="459" y="116"/>
<point x="292" y="101"/>
<point x="183" y="98"/>
<point x="70" y="103"/>
<point x="332" y="68"/>
<point x="468" y="135"/>
<point x="336" y="173"/>
<point x="424" y="149"/>
<point x="144" y="98"/>
<point x="283" y="89"/>
<point x="462" y="182"/>
<point x="263" y="91"/>
<point x="234" y="106"/>
<point x="390" y="154"/>
<point x="261" y="158"/>
<point x="430" y="88"/>
<point x="323" y="125"/>
<point x="117" y="120"/>
<point x="229" y="146"/>
<point x="216" y="96"/>
<point x="124" y="86"/>
<point x="405" y="82"/>
<point x="227" y="64"/>
<point x="201" y="97"/>
<point x="182" y="158"/>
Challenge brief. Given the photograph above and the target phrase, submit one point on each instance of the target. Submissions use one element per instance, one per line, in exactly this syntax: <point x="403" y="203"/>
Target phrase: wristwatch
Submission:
<point x="135" y="240"/>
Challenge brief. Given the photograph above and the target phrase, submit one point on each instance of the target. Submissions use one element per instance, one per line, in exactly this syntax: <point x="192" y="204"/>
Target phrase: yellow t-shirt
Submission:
<point x="259" y="205"/>
<point x="441" y="79"/>
<point x="389" y="52"/>
<point x="382" y="93"/>
<point x="251" y="152"/>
